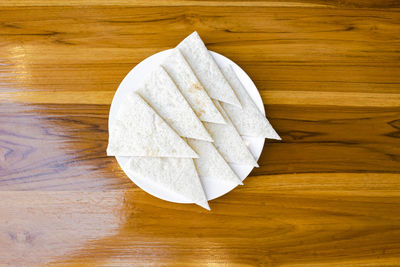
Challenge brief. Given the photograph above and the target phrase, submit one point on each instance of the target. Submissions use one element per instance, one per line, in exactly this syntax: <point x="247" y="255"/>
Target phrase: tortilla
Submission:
<point x="187" y="82"/>
<point x="178" y="176"/>
<point x="207" y="70"/>
<point x="165" y="98"/>
<point x="139" y="131"/>
<point x="211" y="164"/>
<point x="228" y="141"/>
<point x="249" y="120"/>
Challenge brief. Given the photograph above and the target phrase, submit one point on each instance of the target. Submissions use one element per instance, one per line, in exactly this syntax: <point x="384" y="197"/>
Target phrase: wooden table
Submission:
<point x="328" y="194"/>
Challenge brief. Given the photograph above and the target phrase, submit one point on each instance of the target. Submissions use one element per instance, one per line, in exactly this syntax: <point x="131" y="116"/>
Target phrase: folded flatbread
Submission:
<point x="175" y="175"/>
<point x="228" y="141"/>
<point x="187" y="82"/>
<point x="165" y="98"/>
<point x="139" y="131"/>
<point x="249" y="120"/>
<point x="211" y="164"/>
<point x="207" y="70"/>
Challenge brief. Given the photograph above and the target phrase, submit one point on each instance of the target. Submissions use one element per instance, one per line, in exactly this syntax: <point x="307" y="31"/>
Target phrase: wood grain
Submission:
<point x="327" y="195"/>
<point x="239" y="3"/>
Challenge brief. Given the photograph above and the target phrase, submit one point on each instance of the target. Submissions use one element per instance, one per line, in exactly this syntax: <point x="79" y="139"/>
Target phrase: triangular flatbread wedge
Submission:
<point x="249" y="120"/>
<point x="228" y="141"/>
<point x="211" y="164"/>
<point x="165" y="98"/>
<point x="178" y="176"/>
<point x="187" y="82"/>
<point x="139" y="131"/>
<point x="207" y="70"/>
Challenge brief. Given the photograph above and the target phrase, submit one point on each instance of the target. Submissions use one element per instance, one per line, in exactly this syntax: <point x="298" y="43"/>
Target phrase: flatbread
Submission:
<point x="165" y="98"/>
<point x="139" y="131"/>
<point x="187" y="82"/>
<point x="178" y="176"/>
<point x="249" y="120"/>
<point x="228" y="141"/>
<point x="207" y="70"/>
<point x="211" y="164"/>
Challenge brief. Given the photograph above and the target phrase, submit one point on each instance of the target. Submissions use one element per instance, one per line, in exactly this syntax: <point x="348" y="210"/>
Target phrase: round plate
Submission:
<point x="212" y="187"/>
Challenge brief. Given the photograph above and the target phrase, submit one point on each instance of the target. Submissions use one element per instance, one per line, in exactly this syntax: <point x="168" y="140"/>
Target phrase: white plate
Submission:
<point x="213" y="188"/>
